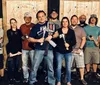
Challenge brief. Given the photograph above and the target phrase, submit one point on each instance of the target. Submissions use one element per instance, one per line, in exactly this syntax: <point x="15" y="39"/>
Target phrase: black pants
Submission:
<point x="13" y="65"/>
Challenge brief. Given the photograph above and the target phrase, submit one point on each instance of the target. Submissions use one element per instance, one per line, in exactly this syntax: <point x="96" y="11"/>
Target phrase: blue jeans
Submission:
<point x="39" y="55"/>
<point x="25" y="55"/>
<point x="13" y="64"/>
<point x="67" y="57"/>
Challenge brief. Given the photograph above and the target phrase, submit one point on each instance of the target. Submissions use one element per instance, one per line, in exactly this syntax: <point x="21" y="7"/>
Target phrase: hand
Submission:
<point x="48" y="38"/>
<point x="41" y="40"/>
<point x="29" y="39"/>
<point x="66" y="45"/>
<point x="19" y="53"/>
<point x="91" y="38"/>
<point x="11" y="55"/>
<point x="78" y="51"/>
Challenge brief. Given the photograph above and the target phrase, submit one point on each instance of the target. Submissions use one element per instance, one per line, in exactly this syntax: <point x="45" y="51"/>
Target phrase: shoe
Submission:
<point x="83" y="82"/>
<point x="11" y="82"/>
<point x="87" y="75"/>
<point x="25" y="81"/>
<point x="17" y="80"/>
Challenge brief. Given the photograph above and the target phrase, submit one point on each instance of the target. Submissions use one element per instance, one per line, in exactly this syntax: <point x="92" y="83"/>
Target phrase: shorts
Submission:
<point x="79" y="59"/>
<point x="92" y="55"/>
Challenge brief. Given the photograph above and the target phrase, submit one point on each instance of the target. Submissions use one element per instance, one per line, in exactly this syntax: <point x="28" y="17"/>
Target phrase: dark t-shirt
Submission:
<point x="70" y="39"/>
<point x="37" y="33"/>
<point x="14" y="41"/>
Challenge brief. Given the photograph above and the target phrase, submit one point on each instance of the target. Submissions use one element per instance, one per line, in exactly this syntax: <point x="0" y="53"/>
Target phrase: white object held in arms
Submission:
<point x="44" y="32"/>
<point x="51" y="30"/>
<point x="63" y="36"/>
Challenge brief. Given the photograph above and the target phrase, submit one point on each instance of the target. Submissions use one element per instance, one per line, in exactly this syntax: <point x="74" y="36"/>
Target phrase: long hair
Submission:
<point x="67" y="20"/>
<point x="11" y="20"/>
<point x="91" y="18"/>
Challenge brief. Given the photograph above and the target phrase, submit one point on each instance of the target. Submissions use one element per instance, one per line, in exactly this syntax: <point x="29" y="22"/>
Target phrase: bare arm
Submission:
<point x="56" y="34"/>
<point x="83" y="42"/>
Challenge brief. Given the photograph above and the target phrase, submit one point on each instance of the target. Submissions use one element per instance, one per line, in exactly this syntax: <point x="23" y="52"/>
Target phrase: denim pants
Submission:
<point x="13" y="64"/>
<point x="39" y="55"/>
<point x="67" y="57"/>
<point x="25" y="55"/>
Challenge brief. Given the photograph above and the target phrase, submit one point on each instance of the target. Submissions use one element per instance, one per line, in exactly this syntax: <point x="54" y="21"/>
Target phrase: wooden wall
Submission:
<point x="16" y="9"/>
<point x="78" y="7"/>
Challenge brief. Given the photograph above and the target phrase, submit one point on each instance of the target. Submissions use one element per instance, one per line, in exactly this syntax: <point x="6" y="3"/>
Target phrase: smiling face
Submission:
<point x="64" y="23"/>
<point x="41" y="17"/>
<point x="54" y="15"/>
<point x="93" y="21"/>
<point x="74" y="21"/>
<point x="13" y="23"/>
<point x="27" y="20"/>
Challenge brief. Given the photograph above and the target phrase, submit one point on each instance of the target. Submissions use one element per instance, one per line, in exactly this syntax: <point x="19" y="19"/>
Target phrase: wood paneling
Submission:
<point x="78" y="7"/>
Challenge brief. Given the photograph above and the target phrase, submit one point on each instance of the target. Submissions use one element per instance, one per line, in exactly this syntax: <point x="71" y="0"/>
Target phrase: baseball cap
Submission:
<point x="93" y="16"/>
<point x="54" y="10"/>
<point x="27" y="14"/>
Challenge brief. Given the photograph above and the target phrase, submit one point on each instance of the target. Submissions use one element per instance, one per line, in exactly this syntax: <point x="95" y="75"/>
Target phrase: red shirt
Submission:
<point x="25" y="29"/>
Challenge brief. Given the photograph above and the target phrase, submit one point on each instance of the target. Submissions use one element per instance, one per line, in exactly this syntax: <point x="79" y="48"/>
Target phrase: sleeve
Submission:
<point x="8" y="46"/>
<point x="20" y="33"/>
<point x="83" y="33"/>
<point x="73" y="40"/>
<point x="33" y="32"/>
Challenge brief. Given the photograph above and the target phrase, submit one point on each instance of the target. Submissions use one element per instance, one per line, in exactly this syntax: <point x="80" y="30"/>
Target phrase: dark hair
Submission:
<point x="74" y="16"/>
<point x="67" y="20"/>
<point x="40" y="11"/>
<point x="91" y="18"/>
<point x="13" y="19"/>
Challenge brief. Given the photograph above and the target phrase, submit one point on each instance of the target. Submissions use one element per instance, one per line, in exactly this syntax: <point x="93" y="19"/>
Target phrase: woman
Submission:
<point x="65" y="41"/>
<point x="14" y="47"/>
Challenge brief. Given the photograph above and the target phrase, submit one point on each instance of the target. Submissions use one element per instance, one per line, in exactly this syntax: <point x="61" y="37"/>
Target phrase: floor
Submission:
<point x="41" y="80"/>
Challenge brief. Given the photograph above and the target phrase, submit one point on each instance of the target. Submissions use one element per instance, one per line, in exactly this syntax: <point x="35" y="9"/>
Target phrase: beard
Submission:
<point x="82" y="22"/>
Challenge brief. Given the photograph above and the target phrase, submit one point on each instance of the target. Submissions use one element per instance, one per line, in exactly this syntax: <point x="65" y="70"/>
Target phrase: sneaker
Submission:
<point x="83" y="82"/>
<point x="17" y="80"/>
<point x="87" y="75"/>
<point x="11" y="82"/>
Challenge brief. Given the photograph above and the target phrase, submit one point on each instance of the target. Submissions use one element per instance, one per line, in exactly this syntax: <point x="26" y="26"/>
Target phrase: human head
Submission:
<point x="27" y="17"/>
<point x="53" y="14"/>
<point x="41" y="16"/>
<point x="74" y="20"/>
<point x="82" y="19"/>
<point x="93" y="19"/>
<point x="65" y="22"/>
<point x="13" y="23"/>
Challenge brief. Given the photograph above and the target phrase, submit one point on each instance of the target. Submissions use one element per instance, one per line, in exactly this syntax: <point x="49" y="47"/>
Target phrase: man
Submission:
<point x="37" y="36"/>
<point x="26" y="50"/>
<point x="78" y="48"/>
<point x="82" y="20"/>
<point x="92" y="46"/>
<point x="53" y="18"/>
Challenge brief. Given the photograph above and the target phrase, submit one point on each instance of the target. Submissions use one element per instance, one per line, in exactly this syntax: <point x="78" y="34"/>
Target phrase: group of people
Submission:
<point x="53" y="41"/>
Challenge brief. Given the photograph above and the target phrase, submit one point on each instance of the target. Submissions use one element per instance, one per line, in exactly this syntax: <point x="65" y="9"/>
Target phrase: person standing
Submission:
<point x="14" y="47"/>
<point x="82" y="20"/>
<point x="92" y="46"/>
<point x="39" y="36"/>
<point x="27" y="51"/>
<point x="78" y="54"/>
<point x="66" y="40"/>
